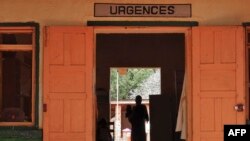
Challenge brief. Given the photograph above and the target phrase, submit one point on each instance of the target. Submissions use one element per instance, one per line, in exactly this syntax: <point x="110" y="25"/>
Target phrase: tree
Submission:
<point x="128" y="82"/>
<point x="150" y="86"/>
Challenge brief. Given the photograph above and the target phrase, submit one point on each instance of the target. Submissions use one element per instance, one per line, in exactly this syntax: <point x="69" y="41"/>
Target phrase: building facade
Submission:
<point x="55" y="51"/>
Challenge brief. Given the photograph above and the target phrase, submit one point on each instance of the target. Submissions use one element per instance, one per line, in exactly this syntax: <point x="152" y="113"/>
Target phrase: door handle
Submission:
<point x="239" y="107"/>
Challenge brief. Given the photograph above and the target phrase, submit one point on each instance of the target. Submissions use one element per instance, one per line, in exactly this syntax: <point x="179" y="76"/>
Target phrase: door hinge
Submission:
<point x="44" y="107"/>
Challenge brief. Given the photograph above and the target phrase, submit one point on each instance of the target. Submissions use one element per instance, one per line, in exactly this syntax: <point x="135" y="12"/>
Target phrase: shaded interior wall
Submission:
<point x="166" y="51"/>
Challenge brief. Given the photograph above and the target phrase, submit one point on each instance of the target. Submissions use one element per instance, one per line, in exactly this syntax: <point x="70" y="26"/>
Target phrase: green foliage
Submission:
<point x="128" y="82"/>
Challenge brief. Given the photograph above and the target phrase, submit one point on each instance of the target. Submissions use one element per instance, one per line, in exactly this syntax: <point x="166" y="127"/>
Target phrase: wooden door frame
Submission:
<point x="247" y="63"/>
<point x="160" y="29"/>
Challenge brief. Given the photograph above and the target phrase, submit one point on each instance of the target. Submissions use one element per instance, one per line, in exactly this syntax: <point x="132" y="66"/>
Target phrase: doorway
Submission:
<point x="144" y="48"/>
<point x="125" y="84"/>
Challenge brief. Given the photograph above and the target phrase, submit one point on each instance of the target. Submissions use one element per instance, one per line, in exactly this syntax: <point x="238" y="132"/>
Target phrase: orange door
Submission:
<point x="218" y="77"/>
<point x="68" y="84"/>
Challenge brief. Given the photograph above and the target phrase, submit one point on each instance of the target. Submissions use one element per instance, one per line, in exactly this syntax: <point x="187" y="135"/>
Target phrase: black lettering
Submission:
<point x="130" y="10"/>
<point x="154" y="10"/>
<point x="163" y="10"/>
<point x="171" y="10"/>
<point x="146" y="10"/>
<point x="121" y="10"/>
<point x="138" y="10"/>
<point x="111" y="8"/>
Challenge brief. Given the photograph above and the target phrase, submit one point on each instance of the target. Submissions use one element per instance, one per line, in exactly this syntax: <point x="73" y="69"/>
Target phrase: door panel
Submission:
<point x="68" y="84"/>
<point x="218" y="80"/>
<point x="161" y="124"/>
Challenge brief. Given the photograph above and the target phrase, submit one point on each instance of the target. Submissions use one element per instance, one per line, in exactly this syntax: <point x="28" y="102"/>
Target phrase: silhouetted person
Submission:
<point x="103" y="133"/>
<point x="137" y="117"/>
<point x="128" y="112"/>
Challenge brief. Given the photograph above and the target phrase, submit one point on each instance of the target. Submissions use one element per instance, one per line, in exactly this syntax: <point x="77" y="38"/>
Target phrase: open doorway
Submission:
<point x="152" y="50"/>
<point x="125" y="85"/>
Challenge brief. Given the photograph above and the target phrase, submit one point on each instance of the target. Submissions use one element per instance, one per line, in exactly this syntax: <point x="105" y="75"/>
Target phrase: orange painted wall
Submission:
<point x="77" y="12"/>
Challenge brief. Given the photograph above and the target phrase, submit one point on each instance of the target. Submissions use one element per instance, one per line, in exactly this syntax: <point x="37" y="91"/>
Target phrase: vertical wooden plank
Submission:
<point x="241" y="74"/>
<point x="33" y="71"/>
<point x="227" y="55"/>
<point x="188" y="89"/>
<point x="67" y="115"/>
<point x="57" y="116"/>
<point x="207" y="116"/>
<point x="217" y="46"/>
<point x="77" y="119"/>
<point x="90" y="125"/>
<point x="228" y="112"/>
<point x="195" y="82"/>
<point x="56" y="53"/>
<point x="218" y="113"/>
<point x="207" y="46"/>
<point x="46" y="63"/>
<point x="67" y="37"/>
<point x="77" y="55"/>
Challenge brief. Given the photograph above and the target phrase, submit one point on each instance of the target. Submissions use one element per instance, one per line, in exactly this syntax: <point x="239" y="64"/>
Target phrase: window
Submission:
<point x="17" y="76"/>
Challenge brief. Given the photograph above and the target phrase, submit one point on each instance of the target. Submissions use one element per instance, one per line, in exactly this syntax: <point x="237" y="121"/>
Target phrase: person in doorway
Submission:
<point x="128" y="112"/>
<point x="103" y="132"/>
<point x="137" y="118"/>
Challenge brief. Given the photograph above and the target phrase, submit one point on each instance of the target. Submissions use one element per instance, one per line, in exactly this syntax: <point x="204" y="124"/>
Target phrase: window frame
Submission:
<point x="33" y="48"/>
